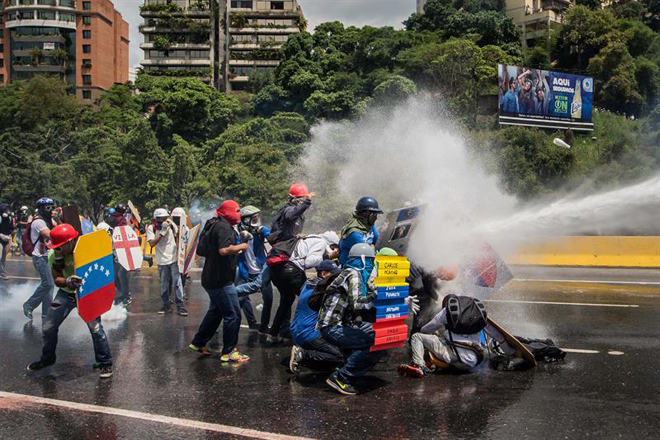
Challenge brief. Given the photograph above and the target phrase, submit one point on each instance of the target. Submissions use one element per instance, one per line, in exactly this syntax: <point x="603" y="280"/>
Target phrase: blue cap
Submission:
<point x="328" y="266"/>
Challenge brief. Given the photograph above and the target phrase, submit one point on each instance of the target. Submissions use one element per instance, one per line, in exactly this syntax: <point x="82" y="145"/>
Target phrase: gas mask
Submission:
<point x="251" y="224"/>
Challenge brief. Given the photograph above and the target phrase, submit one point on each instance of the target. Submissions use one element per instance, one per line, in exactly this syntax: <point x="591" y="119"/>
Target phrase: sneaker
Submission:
<point x="36" y="366"/>
<point x="263" y="331"/>
<point x="105" y="371"/>
<point x="128" y="301"/>
<point x="410" y="370"/>
<point x="203" y="350"/>
<point x="344" y="388"/>
<point x="254" y="328"/>
<point x="165" y="311"/>
<point x="234" y="356"/>
<point x="182" y="311"/>
<point x="28" y="313"/>
<point x="296" y="356"/>
<point x="274" y="339"/>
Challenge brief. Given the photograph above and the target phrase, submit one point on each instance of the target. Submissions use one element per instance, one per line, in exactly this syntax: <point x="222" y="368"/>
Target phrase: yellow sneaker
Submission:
<point x="234" y="356"/>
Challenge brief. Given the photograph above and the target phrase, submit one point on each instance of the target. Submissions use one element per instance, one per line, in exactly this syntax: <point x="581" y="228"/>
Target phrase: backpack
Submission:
<point x="27" y="245"/>
<point x="465" y="315"/>
<point x="204" y="245"/>
<point x="322" y="290"/>
<point x="276" y="228"/>
<point x="544" y="350"/>
<point x="282" y="251"/>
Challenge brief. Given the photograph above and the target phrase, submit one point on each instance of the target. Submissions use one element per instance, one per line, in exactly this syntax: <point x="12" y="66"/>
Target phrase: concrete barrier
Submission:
<point x="590" y="251"/>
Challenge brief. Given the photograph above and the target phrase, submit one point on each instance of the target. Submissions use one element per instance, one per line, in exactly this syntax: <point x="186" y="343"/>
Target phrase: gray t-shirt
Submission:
<point x="40" y="249"/>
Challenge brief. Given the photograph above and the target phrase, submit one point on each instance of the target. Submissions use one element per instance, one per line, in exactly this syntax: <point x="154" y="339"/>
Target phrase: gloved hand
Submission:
<point x="413" y="304"/>
<point x="73" y="282"/>
<point x="167" y="224"/>
<point x="245" y="236"/>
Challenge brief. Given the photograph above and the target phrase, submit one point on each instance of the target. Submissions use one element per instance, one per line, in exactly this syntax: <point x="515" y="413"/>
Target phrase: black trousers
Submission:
<point x="289" y="280"/>
<point x="321" y="355"/>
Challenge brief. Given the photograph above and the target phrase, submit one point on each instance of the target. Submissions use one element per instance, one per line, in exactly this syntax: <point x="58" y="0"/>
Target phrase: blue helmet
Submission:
<point x="44" y="201"/>
<point x="368" y="204"/>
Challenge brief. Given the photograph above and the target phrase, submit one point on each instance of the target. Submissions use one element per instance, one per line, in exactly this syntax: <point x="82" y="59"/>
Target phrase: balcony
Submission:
<point x="39" y="69"/>
<point x="38" y="38"/>
<point x="176" y="62"/>
<point x="179" y="46"/>
<point x="238" y="78"/>
<point x="264" y="30"/>
<point x="254" y="63"/>
<point x="241" y="45"/>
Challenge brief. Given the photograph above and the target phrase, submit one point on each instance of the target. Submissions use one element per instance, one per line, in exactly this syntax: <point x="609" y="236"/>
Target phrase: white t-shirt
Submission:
<point x="166" y="247"/>
<point x="40" y="249"/>
<point x="251" y="259"/>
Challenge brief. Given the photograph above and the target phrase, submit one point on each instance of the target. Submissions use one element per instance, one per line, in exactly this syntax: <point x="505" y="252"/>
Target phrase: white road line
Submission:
<point x="640" y="283"/>
<point x="634" y="306"/>
<point x="24" y="278"/>
<point x="579" y="350"/>
<point x="185" y="423"/>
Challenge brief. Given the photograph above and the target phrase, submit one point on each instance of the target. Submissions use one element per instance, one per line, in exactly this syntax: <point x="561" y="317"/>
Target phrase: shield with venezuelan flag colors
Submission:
<point x="93" y="261"/>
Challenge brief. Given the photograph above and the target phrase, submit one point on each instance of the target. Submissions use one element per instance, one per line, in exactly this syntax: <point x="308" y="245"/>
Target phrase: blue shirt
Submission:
<point x="354" y="238"/>
<point x="510" y="104"/>
<point x="303" y="326"/>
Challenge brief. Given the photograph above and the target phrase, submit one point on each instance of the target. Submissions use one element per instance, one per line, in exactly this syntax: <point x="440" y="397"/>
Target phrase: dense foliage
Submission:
<point x="180" y="140"/>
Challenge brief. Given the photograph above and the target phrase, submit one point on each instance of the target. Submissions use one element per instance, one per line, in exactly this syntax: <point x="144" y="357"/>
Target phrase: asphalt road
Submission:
<point x="606" y="388"/>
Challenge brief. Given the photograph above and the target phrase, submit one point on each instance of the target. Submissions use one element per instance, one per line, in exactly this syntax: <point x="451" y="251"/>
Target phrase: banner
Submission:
<point x="545" y="99"/>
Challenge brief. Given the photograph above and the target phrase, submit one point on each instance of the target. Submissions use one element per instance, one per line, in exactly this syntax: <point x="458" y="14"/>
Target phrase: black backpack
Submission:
<point x="276" y="228"/>
<point x="204" y="246"/>
<point x="282" y="251"/>
<point x="465" y="315"/>
<point x="324" y="288"/>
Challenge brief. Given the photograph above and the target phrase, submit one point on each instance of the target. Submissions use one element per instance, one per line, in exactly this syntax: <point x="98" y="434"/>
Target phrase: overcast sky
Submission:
<point x="349" y="12"/>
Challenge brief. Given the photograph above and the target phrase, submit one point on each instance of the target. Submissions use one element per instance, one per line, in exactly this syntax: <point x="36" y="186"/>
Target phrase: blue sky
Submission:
<point x="350" y="12"/>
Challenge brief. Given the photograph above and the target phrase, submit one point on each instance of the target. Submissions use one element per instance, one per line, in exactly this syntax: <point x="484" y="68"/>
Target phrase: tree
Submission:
<point x="587" y="31"/>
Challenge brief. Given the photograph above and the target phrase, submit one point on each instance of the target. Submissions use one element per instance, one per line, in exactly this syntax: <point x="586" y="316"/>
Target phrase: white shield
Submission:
<point x="127" y="247"/>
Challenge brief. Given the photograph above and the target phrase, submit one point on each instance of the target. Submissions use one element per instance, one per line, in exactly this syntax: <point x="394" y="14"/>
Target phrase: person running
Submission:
<point x="310" y="349"/>
<point x="38" y="234"/>
<point x="290" y="219"/>
<point x="60" y="259"/>
<point x="161" y="235"/>
<point x="361" y="227"/>
<point x="289" y="276"/>
<point x="6" y="231"/>
<point x="250" y="265"/>
<point x="350" y="294"/>
<point x="218" y="280"/>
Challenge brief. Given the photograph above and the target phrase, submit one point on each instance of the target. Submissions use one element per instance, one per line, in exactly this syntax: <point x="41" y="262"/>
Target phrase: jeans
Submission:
<point x="257" y="283"/>
<point x="122" y="292"/>
<point x="357" y="341"/>
<point x="4" y="248"/>
<point x="319" y="354"/>
<point x="224" y="305"/>
<point x="169" y="273"/>
<point x="43" y="294"/>
<point x="57" y="313"/>
<point x="288" y="279"/>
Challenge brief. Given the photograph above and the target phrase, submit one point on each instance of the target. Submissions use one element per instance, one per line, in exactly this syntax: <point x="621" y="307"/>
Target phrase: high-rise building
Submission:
<point x="222" y="42"/>
<point x="536" y="17"/>
<point x="420" y="6"/>
<point x="83" y="42"/>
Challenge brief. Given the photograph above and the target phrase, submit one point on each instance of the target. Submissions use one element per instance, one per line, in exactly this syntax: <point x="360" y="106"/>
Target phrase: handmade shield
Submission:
<point x="93" y="262"/>
<point x="127" y="247"/>
<point x="191" y="250"/>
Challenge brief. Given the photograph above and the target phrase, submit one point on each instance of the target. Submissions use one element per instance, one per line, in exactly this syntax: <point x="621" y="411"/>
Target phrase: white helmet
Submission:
<point x="178" y="212"/>
<point x="103" y="226"/>
<point x="161" y="212"/>
<point x="24" y="208"/>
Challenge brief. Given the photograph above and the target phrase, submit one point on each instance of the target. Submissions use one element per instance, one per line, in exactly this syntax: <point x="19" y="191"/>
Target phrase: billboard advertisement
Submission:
<point x="545" y="99"/>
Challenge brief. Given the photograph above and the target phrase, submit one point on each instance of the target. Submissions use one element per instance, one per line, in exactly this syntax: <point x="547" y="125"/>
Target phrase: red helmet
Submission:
<point x="298" y="190"/>
<point x="61" y="234"/>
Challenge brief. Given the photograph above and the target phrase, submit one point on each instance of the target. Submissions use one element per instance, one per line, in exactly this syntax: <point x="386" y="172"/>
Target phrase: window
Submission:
<point x="87" y="94"/>
<point x="87" y="35"/>
<point x="86" y="63"/>
<point x="68" y="3"/>
<point x="2" y="62"/>
<point x="87" y="6"/>
<point x="279" y="6"/>
<point x="46" y="2"/>
<point x="87" y="79"/>
<point x="65" y="16"/>
<point x="87" y="19"/>
<point x="87" y="48"/>
<point x="26" y="15"/>
<point x="2" y="48"/>
<point x="243" y="4"/>
<point x="45" y="15"/>
<point x="199" y="54"/>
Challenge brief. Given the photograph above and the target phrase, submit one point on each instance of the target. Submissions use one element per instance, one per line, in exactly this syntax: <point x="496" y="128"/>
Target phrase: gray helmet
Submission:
<point x="362" y="250"/>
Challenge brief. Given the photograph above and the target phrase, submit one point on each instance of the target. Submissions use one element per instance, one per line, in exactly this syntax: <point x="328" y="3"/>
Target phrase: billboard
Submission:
<point x="545" y="99"/>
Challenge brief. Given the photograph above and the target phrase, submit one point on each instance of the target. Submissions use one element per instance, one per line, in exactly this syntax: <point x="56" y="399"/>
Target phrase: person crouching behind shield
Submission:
<point x="63" y="240"/>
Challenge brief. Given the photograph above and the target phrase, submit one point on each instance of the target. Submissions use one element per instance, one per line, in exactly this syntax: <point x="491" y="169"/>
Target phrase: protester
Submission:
<point x="461" y="348"/>
<point x="60" y="260"/>
<point x="6" y="231"/>
<point x="289" y="276"/>
<point x="250" y="265"/>
<point x="38" y="233"/>
<point x="180" y="219"/>
<point x="23" y="219"/>
<point x="361" y="227"/>
<point x="218" y="281"/>
<point x="290" y="219"/>
<point x="310" y="349"/>
<point x="351" y="293"/>
<point x="117" y="216"/>
<point x="161" y="235"/>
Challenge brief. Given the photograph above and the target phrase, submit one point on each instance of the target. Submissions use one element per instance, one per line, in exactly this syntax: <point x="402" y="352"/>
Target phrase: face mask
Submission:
<point x="230" y="211"/>
<point x="5" y="215"/>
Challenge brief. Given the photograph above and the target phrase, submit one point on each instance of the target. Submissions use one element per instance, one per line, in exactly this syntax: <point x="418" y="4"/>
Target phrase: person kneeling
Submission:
<point x="461" y="349"/>
<point x="310" y="349"/>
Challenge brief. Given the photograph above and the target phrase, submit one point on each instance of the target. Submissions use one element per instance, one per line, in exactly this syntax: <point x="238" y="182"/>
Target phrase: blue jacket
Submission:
<point x="259" y="247"/>
<point x="303" y="326"/>
<point x="354" y="238"/>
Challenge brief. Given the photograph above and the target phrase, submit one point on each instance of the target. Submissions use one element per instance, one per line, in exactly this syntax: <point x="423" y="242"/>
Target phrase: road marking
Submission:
<point x="641" y="283"/>
<point x="580" y="350"/>
<point x="634" y="306"/>
<point x="185" y="423"/>
<point x="24" y="278"/>
<point x="615" y="353"/>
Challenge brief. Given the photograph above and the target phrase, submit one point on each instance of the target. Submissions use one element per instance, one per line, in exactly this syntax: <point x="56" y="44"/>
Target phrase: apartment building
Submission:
<point x="222" y="42"/>
<point x="536" y="17"/>
<point x="83" y="42"/>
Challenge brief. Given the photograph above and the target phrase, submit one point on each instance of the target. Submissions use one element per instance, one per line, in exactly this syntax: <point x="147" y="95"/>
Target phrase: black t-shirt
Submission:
<point x="220" y="271"/>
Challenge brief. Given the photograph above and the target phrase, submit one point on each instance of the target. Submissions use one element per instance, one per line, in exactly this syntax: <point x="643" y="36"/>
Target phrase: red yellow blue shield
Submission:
<point x="93" y="262"/>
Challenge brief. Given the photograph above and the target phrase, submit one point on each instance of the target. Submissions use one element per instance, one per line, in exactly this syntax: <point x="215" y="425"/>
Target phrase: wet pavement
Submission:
<point x="607" y="387"/>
